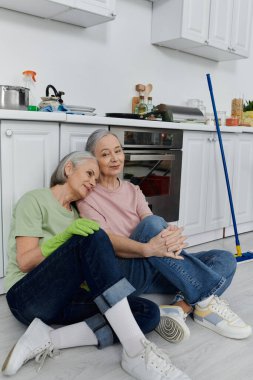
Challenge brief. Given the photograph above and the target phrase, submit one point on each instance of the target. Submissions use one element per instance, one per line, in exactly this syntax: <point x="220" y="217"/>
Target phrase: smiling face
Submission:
<point x="110" y="156"/>
<point x="82" y="178"/>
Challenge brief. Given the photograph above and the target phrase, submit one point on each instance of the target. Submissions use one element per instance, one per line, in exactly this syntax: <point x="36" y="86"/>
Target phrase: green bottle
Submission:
<point x="141" y="108"/>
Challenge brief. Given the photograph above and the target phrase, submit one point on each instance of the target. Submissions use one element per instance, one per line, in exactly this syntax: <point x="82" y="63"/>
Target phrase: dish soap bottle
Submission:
<point x="29" y="79"/>
<point x="141" y="108"/>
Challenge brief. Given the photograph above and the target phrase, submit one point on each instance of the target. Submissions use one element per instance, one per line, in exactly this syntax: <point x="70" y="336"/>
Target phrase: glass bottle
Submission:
<point x="141" y="108"/>
<point x="150" y="104"/>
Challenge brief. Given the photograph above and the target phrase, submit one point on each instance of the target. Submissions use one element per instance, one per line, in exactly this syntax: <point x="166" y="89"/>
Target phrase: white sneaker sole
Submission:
<point x="233" y="334"/>
<point x="171" y="330"/>
<point x="4" y="366"/>
<point x="11" y="364"/>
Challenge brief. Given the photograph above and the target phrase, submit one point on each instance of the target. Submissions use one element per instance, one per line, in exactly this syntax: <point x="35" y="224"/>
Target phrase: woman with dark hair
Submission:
<point x="62" y="270"/>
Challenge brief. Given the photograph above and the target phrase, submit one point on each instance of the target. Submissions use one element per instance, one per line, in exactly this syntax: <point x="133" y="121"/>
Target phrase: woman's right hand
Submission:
<point x="81" y="226"/>
<point x="168" y="243"/>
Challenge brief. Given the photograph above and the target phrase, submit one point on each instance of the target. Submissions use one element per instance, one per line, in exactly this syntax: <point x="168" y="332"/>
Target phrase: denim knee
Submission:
<point x="228" y="260"/>
<point x="155" y="221"/>
<point x="100" y="234"/>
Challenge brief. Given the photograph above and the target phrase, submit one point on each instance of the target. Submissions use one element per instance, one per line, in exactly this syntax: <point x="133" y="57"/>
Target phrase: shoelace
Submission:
<point x="162" y="360"/>
<point x="222" y="306"/>
<point x="41" y="357"/>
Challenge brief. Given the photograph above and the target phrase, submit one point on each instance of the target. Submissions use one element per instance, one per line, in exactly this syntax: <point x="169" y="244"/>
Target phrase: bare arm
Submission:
<point x="28" y="253"/>
<point x="168" y="243"/>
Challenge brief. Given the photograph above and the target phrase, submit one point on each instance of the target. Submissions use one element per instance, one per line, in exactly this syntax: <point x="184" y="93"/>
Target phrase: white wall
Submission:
<point x="99" y="66"/>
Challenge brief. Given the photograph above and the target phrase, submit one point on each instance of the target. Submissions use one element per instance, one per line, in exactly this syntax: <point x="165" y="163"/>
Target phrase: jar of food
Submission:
<point x="232" y="121"/>
<point x="237" y="108"/>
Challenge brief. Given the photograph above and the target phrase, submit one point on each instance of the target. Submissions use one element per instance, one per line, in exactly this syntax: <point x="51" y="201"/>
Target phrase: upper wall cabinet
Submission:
<point x="214" y="29"/>
<point x="83" y="13"/>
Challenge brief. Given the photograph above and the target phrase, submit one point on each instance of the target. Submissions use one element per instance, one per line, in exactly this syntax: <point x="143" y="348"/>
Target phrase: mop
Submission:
<point x="239" y="255"/>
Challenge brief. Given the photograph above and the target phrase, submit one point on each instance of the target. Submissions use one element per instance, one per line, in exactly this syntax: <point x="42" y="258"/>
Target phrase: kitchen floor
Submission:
<point x="205" y="356"/>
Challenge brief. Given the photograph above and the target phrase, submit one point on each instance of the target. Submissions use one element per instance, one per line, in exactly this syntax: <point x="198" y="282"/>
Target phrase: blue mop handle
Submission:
<point x="224" y="164"/>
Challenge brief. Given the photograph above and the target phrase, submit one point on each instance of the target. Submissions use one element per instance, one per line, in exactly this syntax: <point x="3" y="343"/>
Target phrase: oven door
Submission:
<point x="158" y="174"/>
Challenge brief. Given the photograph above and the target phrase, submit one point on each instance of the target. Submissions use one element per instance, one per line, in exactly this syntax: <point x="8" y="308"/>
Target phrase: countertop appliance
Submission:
<point x="168" y="113"/>
<point x="183" y="114"/>
<point x="153" y="161"/>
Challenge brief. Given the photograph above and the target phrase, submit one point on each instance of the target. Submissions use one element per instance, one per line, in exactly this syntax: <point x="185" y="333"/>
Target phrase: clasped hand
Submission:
<point x="168" y="243"/>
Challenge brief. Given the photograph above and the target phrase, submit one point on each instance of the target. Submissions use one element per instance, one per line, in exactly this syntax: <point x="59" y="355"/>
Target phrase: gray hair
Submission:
<point x="59" y="177"/>
<point x="95" y="137"/>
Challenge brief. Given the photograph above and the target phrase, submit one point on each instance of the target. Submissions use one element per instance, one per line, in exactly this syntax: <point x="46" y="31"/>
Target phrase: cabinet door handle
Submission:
<point x="209" y="139"/>
<point x="9" y="132"/>
<point x="214" y="139"/>
<point x="206" y="42"/>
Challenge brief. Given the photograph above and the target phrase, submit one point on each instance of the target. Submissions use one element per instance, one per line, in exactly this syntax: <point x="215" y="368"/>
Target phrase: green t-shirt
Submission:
<point x="37" y="214"/>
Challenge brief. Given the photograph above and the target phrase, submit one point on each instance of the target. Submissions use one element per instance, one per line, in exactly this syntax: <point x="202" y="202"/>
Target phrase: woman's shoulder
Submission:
<point x="129" y="186"/>
<point x="36" y="195"/>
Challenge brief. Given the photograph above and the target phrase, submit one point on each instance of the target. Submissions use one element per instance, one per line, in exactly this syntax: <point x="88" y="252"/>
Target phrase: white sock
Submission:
<point x="78" y="334"/>
<point x="125" y="326"/>
<point x="205" y="302"/>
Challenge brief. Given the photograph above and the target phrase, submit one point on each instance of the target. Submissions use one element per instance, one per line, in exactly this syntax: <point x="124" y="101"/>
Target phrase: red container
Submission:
<point x="232" y="121"/>
<point x="155" y="185"/>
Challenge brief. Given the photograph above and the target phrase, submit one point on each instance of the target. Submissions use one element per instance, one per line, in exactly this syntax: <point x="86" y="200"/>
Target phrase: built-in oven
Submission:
<point x="153" y="160"/>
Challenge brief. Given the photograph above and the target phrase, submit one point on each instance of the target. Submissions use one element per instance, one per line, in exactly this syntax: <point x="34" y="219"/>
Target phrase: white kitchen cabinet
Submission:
<point x="180" y="24"/>
<point x="214" y="29"/>
<point x="74" y="137"/>
<point x="204" y="207"/>
<point x="241" y="27"/>
<point x="83" y="13"/>
<point x="29" y="154"/>
<point x="242" y="185"/>
<point x="1" y="246"/>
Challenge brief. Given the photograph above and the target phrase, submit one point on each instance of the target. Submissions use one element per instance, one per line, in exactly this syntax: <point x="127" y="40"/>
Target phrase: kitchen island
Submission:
<point x="32" y="143"/>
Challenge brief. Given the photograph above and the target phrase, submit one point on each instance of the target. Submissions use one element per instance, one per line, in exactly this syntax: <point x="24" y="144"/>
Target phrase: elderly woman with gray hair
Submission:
<point x="151" y="253"/>
<point x="62" y="270"/>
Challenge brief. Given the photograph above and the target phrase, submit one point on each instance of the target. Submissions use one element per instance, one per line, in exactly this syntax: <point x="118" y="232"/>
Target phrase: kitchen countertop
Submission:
<point x="30" y="115"/>
<point x="102" y="120"/>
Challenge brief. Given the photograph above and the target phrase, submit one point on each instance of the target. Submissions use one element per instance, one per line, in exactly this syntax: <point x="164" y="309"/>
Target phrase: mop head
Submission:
<point x="245" y="256"/>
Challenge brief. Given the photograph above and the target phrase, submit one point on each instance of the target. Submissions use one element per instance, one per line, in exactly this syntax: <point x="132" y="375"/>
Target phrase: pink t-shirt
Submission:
<point x="118" y="211"/>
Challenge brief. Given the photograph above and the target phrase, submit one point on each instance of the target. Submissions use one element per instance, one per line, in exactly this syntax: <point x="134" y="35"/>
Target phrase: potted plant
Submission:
<point x="248" y="112"/>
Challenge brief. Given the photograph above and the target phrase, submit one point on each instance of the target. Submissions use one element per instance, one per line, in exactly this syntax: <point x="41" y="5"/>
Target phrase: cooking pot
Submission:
<point x="14" y="97"/>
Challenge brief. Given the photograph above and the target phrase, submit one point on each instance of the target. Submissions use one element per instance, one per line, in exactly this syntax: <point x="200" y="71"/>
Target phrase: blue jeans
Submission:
<point x="196" y="277"/>
<point x="52" y="290"/>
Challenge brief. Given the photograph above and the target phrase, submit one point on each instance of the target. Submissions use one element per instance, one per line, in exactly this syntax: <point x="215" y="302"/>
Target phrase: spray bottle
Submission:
<point x="29" y="79"/>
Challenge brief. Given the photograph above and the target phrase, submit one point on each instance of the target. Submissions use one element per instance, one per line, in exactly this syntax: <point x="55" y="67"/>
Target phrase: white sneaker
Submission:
<point x="34" y="343"/>
<point x="218" y="317"/>
<point x="151" y="364"/>
<point x="172" y="326"/>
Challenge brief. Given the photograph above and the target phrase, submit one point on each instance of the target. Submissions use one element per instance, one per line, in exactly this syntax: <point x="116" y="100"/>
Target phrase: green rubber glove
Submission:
<point x="81" y="226"/>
